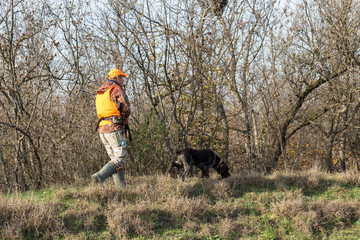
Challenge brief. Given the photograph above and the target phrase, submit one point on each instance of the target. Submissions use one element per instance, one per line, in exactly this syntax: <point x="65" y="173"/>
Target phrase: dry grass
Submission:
<point x="20" y="217"/>
<point x="304" y="205"/>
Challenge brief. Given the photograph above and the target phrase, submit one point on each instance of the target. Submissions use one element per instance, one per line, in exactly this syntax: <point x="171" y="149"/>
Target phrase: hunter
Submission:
<point x="113" y="110"/>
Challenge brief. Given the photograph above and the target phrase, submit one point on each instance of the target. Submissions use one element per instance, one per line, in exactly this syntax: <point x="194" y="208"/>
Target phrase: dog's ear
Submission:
<point x="222" y="167"/>
<point x="224" y="170"/>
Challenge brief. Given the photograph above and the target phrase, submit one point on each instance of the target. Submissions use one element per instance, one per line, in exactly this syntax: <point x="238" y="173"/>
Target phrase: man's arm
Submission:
<point x="123" y="106"/>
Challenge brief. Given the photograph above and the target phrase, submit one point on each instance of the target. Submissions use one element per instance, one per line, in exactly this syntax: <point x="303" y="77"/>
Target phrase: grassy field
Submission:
<point x="306" y="205"/>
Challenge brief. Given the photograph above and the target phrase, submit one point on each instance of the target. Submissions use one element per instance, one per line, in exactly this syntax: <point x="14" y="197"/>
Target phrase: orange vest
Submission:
<point x="105" y="107"/>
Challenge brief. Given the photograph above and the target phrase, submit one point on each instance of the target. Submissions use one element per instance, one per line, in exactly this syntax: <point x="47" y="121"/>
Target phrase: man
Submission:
<point x="113" y="110"/>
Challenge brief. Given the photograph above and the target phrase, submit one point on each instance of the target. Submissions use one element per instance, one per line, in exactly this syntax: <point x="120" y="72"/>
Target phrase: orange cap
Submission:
<point x="116" y="72"/>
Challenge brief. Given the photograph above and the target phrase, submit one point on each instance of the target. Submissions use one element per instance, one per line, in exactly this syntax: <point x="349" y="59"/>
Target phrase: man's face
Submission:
<point x="120" y="80"/>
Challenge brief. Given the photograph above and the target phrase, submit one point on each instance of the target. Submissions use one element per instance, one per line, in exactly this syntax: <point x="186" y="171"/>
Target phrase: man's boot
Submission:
<point x="119" y="179"/>
<point x="108" y="170"/>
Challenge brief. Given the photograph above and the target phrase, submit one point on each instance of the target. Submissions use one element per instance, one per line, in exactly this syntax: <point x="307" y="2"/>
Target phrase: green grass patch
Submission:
<point x="45" y="195"/>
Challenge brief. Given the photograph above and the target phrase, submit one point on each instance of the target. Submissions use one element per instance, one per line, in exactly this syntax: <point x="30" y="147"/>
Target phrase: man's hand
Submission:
<point x="127" y="131"/>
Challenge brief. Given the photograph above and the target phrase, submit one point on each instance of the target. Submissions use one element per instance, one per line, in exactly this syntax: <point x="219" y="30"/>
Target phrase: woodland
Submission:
<point x="269" y="85"/>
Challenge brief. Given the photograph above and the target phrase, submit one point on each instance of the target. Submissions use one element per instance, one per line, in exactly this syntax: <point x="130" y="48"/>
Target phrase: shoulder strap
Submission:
<point x="114" y="82"/>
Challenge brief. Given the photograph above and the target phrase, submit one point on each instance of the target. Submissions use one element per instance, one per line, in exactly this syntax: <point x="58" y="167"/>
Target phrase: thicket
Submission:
<point x="268" y="85"/>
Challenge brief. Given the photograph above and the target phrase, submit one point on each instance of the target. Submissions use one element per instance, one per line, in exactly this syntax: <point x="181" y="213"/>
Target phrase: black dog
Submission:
<point x="203" y="159"/>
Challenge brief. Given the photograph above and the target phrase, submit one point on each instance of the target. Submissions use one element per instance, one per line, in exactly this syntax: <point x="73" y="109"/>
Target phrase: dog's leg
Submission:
<point x="188" y="163"/>
<point x="186" y="172"/>
<point x="169" y="168"/>
<point x="187" y="168"/>
<point x="177" y="172"/>
<point x="177" y="167"/>
<point x="205" y="171"/>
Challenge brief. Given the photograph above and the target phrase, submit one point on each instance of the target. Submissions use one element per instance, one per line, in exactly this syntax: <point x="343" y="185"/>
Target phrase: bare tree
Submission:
<point x="23" y="85"/>
<point x="44" y="94"/>
<point x="316" y="58"/>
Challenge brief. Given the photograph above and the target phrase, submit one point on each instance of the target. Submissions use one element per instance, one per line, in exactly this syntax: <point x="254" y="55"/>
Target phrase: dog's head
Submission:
<point x="223" y="170"/>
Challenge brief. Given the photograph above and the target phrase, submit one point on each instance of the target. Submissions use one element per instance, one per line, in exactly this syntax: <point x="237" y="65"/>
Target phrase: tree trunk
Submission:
<point x="343" y="153"/>
<point x="328" y="158"/>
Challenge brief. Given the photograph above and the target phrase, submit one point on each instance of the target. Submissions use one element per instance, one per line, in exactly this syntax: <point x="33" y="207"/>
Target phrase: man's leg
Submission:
<point x="109" y="168"/>
<point x="117" y="142"/>
<point x="106" y="171"/>
<point x="119" y="179"/>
